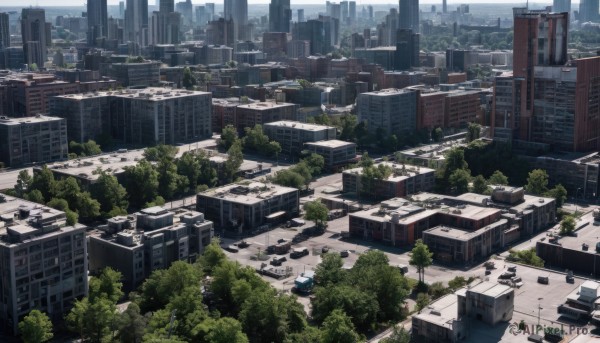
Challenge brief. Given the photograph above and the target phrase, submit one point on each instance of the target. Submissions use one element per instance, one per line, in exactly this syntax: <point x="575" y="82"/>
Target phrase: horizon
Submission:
<point x="75" y="3"/>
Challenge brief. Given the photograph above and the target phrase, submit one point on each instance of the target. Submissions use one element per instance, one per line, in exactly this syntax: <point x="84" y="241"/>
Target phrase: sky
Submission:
<point x="25" y="3"/>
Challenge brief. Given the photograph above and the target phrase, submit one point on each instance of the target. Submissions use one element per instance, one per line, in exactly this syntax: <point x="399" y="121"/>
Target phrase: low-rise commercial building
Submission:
<point x="44" y="261"/>
<point x="404" y="180"/>
<point x="466" y="228"/>
<point x="245" y="207"/>
<point x="261" y="113"/>
<point x="32" y="139"/>
<point x="336" y="153"/>
<point x="291" y="135"/>
<point x="148" y="240"/>
<point x="446" y="319"/>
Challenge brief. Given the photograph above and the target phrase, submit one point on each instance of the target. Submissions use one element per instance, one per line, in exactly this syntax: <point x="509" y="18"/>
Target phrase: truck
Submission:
<point x="305" y="282"/>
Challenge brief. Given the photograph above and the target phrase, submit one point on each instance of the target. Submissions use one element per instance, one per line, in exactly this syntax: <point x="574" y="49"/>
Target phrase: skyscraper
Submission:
<point x="4" y="31"/>
<point x="409" y="15"/>
<point x="33" y="32"/>
<point x="121" y="9"/>
<point x="97" y="20"/>
<point x="352" y="10"/>
<point x="136" y="22"/>
<point x="167" y="6"/>
<point x="444" y="6"/>
<point x="561" y="6"/>
<point x="280" y="15"/>
<point x="343" y="11"/>
<point x="588" y="10"/>
<point x="407" y="49"/>
<point x="237" y="10"/>
<point x="300" y="15"/>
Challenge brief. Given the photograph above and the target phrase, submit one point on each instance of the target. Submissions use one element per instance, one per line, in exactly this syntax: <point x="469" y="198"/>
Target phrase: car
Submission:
<point x="299" y="252"/>
<point x="344" y="253"/>
<point x="543" y="280"/>
<point x="243" y="244"/>
<point x="325" y="249"/>
<point x="277" y="261"/>
<point x="232" y="248"/>
<point x="507" y="275"/>
<point x="512" y="269"/>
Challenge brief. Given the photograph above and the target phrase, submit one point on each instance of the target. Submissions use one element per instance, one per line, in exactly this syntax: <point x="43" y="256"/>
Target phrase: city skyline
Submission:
<point x="51" y="3"/>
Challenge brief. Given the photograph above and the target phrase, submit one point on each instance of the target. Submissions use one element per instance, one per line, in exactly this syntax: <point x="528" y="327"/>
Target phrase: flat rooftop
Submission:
<point x="399" y="173"/>
<point x="150" y="94"/>
<point x="299" y="125"/>
<point x="264" y="106"/>
<point x="389" y="92"/>
<point x="443" y="312"/>
<point x="490" y="289"/>
<point x="333" y="143"/>
<point x="589" y="233"/>
<point x="458" y="234"/>
<point x="27" y="120"/>
<point x="85" y="168"/>
<point x="248" y="193"/>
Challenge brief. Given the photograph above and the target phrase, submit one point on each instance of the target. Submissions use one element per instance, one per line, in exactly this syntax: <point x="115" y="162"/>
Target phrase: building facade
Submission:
<point x="389" y="111"/>
<point x="292" y="135"/>
<point x="242" y="208"/>
<point x="32" y="140"/>
<point x="44" y="262"/>
<point x="153" y="239"/>
<point x="336" y="153"/>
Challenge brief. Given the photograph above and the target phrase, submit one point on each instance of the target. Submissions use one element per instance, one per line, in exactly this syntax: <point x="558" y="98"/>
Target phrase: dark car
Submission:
<point x="277" y="261"/>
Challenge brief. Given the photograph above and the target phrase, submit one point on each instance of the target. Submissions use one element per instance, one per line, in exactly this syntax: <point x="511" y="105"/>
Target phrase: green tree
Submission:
<point x="109" y="193"/>
<point x="399" y="335"/>
<point x="107" y="285"/>
<point x="229" y="135"/>
<point x="315" y="163"/>
<point x="497" y="178"/>
<point x="361" y="306"/>
<point x="459" y="181"/>
<point x="227" y="330"/>
<point x="567" y="225"/>
<point x="437" y="290"/>
<point x="213" y="255"/>
<point x="62" y="205"/>
<point x="422" y="301"/>
<point x="189" y="80"/>
<point x="89" y="148"/>
<point x="95" y="321"/>
<point x="141" y="183"/>
<point x="36" y="327"/>
<point x="421" y="258"/>
<point x="88" y="208"/>
<point x="234" y="161"/>
<point x="457" y="283"/>
<point x="169" y="181"/>
<point x="317" y="212"/>
<point x="480" y="184"/>
<point x="161" y="152"/>
<point x="559" y="193"/>
<point x="131" y="325"/>
<point x="289" y="178"/>
<point x="537" y="182"/>
<point x="338" y="328"/>
<point x="329" y="271"/>
<point x="35" y="196"/>
<point x="527" y="256"/>
<point x="188" y="165"/>
<point x="24" y="181"/>
<point x="437" y="134"/>
<point x="43" y="181"/>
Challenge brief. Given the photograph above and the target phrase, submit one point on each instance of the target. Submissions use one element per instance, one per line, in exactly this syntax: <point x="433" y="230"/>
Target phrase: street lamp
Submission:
<point x="539" y="310"/>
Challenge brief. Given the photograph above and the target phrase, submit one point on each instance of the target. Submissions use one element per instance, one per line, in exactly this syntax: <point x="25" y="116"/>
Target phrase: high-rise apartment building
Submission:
<point x="97" y="19"/>
<point x="280" y="16"/>
<point x="220" y="32"/>
<point x="389" y="111"/>
<point x="33" y="33"/>
<point x="352" y="11"/>
<point x="409" y="15"/>
<point x="540" y="40"/>
<point x="146" y="116"/>
<point x="4" y="31"/>
<point x="166" y="6"/>
<point x="237" y="10"/>
<point x="32" y="139"/>
<point x="44" y="262"/>
<point x="322" y="34"/>
<point x="136" y="22"/>
<point x="300" y="15"/>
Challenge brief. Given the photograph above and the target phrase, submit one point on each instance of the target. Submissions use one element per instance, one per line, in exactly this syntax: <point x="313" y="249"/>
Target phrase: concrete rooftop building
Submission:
<point x="292" y="135"/>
